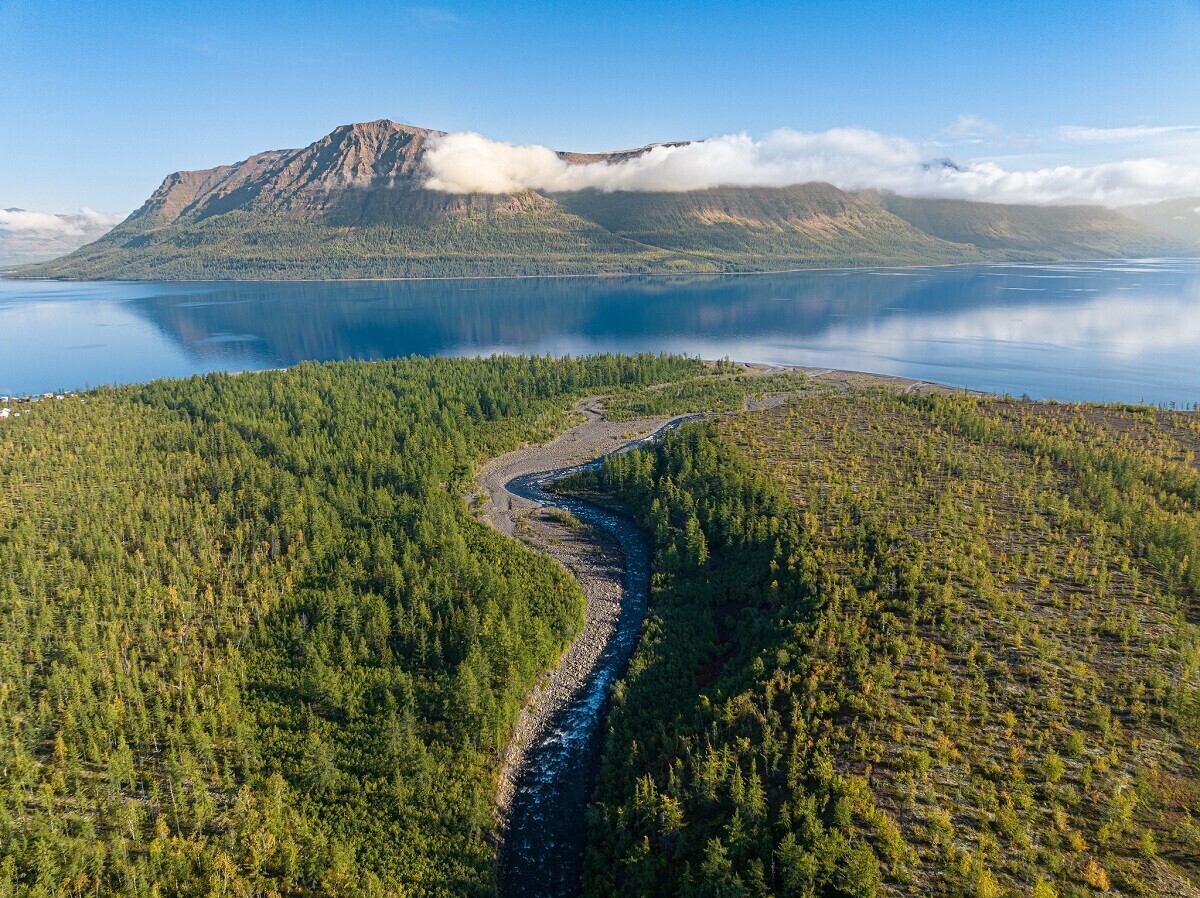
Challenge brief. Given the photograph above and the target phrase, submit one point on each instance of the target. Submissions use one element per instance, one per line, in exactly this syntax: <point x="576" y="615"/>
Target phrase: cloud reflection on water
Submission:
<point x="1116" y="331"/>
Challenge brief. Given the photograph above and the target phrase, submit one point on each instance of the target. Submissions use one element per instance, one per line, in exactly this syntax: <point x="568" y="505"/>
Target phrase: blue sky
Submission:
<point x="98" y="101"/>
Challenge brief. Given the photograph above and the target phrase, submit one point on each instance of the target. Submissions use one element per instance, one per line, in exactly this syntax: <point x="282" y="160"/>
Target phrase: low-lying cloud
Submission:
<point x="1082" y="134"/>
<point x="50" y="224"/>
<point x="849" y="158"/>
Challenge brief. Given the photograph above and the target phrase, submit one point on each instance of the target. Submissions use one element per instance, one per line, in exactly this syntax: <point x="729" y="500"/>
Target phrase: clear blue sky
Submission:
<point x="98" y="101"/>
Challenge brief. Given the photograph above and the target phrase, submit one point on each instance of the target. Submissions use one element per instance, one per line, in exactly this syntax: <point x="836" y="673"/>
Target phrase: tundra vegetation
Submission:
<point x="910" y="644"/>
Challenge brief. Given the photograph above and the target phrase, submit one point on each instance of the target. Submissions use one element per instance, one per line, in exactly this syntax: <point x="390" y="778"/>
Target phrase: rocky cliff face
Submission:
<point x="301" y="182"/>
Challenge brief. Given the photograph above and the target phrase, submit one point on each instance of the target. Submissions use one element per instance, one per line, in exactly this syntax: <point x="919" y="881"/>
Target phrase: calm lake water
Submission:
<point x="1112" y="331"/>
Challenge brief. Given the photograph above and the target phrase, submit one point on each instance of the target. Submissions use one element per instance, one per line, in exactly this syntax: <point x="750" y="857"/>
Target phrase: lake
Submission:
<point x="1107" y="331"/>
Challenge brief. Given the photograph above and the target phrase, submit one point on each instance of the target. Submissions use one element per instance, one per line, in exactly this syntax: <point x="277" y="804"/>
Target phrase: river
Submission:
<point x="543" y="847"/>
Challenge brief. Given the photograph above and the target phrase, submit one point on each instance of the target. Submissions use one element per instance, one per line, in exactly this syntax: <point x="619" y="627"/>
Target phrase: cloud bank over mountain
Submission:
<point x="848" y="158"/>
<point x="27" y="236"/>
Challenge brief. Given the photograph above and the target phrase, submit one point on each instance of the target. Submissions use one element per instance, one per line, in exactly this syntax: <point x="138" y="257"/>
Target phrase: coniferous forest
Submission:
<point x="253" y="641"/>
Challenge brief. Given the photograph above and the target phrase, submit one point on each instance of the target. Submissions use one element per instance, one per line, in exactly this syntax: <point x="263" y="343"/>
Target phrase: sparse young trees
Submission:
<point x="931" y="644"/>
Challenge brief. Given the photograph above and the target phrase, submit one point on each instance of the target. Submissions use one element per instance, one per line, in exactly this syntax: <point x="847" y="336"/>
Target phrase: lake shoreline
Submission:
<point x="607" y="275"/>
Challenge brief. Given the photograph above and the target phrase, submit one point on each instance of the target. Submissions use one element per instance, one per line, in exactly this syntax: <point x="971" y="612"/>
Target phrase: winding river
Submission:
<point x="542" y="852"/>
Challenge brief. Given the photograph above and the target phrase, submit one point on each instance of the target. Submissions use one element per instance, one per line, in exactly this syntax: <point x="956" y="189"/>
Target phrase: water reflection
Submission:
<point x="1107" y="331"/>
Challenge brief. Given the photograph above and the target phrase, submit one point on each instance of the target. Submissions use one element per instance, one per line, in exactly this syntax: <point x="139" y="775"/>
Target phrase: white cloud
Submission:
<point x="436" y="17"/>
<point x="101" y="219"/>
<point x="972" y="127"/>
<point x="1082" y="134"/>
<point x="46" y="223"/>
<point x="849" y="158"/>
<point x="49" y="224"/>
<point x="470" y="163"/>
<point x="467" y="163"/>
<point x="1123" y="183"/>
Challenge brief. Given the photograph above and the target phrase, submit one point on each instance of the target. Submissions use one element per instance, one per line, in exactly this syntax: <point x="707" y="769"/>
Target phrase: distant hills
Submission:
<point x="1179" y="218"/>
<point x="37" y="236"/>
<point x="1035" y="233"/>
<point x="353" y="205"/>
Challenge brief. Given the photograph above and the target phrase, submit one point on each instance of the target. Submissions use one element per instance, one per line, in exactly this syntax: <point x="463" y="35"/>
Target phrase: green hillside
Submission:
<point x="748" y="228"/>
<point x="526" y="235"/>
<point x="911" y="645"/>
<point x="1033" y="233"/>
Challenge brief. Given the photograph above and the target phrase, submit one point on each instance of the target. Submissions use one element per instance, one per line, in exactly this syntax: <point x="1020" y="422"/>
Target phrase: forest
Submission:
<point x="251" y="245"/>
<point x="252" y="642"/>
<point x="910" y="644"/>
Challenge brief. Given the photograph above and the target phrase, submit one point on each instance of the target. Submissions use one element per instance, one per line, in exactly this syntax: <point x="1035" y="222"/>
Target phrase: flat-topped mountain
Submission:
<point x="350" y="168"/>
<point x="355" y="204"/>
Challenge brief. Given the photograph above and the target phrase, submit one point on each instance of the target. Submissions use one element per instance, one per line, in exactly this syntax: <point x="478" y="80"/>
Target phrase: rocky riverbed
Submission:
<point x="550" y="763"/>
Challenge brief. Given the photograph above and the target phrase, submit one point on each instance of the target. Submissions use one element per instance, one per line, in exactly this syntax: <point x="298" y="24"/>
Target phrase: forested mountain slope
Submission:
<point x="252" y="642"/>
<point x="354" y="205"/>
<point x="749" y="228"/>
<point x="1180" y="218"/>
<point x="1033" y="233"/>
<point x="911" y="645"/>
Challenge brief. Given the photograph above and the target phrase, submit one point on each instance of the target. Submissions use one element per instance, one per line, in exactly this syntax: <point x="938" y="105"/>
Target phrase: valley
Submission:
<point x="299" y="631"/>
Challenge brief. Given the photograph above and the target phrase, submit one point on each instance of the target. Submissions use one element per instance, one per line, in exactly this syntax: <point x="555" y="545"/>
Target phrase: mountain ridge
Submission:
<point x="1178" y="218"/>
<point x="353" y="204"/>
